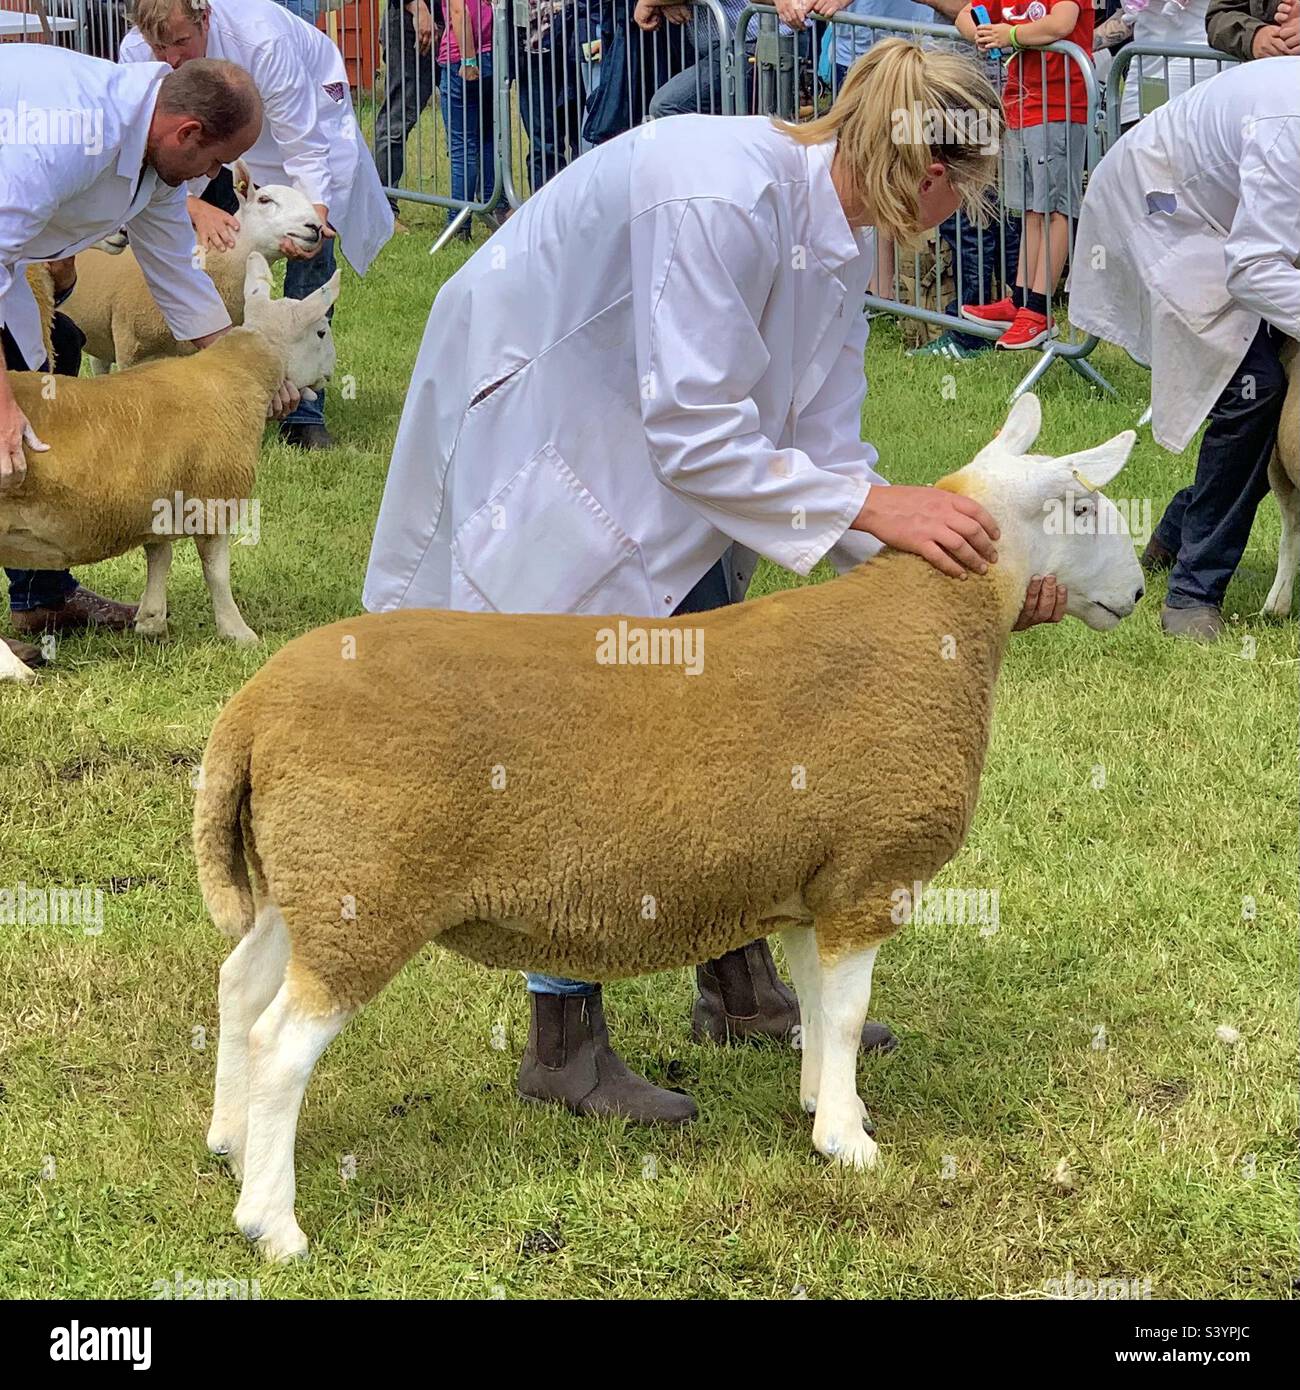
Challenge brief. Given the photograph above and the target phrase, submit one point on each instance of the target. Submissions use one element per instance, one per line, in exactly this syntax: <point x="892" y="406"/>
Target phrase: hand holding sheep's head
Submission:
<point x="1056" y="521"/>
<point x="298" y="329"/>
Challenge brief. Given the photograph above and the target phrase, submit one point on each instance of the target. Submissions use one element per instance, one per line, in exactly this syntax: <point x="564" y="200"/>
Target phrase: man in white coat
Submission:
<point x="87" y="147"/>
<point x="654" y="370"/>
<point x="310" y="139"/>
<point x="1186" y="255"/>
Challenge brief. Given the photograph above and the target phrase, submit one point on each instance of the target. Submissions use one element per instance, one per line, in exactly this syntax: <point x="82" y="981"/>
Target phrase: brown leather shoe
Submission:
<point x="1194" y="624"/>
<point x="24" y="651"/>
<point x="80" y="609"/>
<point x="569" y="1062"/>
<point x="741" y="997"/>
<point x="1157" y="558"/>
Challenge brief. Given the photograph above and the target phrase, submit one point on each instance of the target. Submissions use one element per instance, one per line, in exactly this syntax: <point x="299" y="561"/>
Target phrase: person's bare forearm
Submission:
<point x="965" y="22"/>
<point x="1038" y="33"/>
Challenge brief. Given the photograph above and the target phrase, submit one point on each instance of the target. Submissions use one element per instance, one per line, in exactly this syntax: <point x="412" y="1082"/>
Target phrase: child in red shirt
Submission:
<point x="1046" y="105"/>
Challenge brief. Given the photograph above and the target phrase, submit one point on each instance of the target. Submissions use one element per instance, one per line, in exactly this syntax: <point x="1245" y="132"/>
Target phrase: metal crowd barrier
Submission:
<point x="1187" y="56"/>
<point x="591" y="73"/>
<point x="983" y="260"/>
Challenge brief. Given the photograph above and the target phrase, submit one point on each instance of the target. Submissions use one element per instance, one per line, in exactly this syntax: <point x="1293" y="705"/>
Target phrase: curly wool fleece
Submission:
<point x="485" y="781"/>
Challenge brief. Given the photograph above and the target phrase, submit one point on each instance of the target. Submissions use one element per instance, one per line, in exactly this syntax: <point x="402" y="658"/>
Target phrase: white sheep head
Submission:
<point x="269" y="214"/>
<point x="1054" y="518"/>
<point x="296" y="328"/>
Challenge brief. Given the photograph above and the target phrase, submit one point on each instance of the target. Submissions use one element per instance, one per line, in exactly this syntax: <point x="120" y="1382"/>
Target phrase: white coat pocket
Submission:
<point x="542" y="543"/>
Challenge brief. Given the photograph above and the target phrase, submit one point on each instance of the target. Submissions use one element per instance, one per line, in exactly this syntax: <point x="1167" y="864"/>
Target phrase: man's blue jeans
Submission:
<point x="711" y="592"/>
<point x="468" y="119"/>
<point x="302" y="278"/>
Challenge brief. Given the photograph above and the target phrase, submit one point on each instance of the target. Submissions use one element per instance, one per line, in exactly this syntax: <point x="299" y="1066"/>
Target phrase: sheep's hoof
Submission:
<point x="1276" y="608"/>
<point x="280" y="1241"/>
<point x="244" y="637"/>
<point x="852" y="1151"/>
<point x="151" y="627"/>
<point x="231" y="1153"/>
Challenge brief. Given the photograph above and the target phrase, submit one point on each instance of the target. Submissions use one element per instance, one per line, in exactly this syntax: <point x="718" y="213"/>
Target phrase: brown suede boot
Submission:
<point x="569" y="1062"/>
<point x="741" y="996"/>
<point x="24" y="651"/>
<point x="80" y="609"/>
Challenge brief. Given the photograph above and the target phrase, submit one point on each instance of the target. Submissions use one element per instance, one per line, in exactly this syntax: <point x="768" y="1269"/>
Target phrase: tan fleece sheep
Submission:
<point x="113" y="307"/>
<point x="491" y="782"/>
<point x="124" y="448"/>
<point x="1284" y="478"/>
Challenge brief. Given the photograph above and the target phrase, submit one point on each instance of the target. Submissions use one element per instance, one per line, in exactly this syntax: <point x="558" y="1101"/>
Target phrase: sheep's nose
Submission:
<point x="1137" y="597"/>
<point x="314" y="228"/>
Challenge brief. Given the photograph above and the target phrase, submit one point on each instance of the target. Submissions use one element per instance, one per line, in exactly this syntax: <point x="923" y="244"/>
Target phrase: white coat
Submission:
<point x="310" y="137"/>
<point x="1189" y="235"/>
<point x="62" y="190"/>
<point x="659" y="355"/>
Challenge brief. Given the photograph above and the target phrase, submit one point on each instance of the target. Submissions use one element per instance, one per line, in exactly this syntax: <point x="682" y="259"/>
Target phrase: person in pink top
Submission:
<point x="465" y="97"/>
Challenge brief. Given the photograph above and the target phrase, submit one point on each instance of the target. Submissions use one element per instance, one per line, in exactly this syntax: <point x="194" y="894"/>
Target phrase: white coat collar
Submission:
<point x="146" y="78"/>
<point x="834" y="242"/>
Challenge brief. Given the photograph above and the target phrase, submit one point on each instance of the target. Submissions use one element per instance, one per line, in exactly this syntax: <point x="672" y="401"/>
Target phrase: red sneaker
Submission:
<point x="1028" y="330"/>
<point x="999" y="315"/>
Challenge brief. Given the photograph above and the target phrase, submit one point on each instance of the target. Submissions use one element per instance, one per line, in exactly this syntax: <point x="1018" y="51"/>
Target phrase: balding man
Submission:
<point x="92" y="147"/>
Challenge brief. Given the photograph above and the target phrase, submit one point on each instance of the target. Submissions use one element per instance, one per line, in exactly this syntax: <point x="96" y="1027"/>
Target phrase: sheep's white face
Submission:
<point x="298" y="328"/>
<point x="269" y="214"/>
<point x="1062" y="524"/>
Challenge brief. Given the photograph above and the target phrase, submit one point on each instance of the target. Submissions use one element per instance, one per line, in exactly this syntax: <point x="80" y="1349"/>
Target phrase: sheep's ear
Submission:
<point x="257" y="278"/>
<point x="1023" y="424"/>
<point x="244" y="185"/>
<point x="316" y="303"/>
<point x="1094" y="468"/>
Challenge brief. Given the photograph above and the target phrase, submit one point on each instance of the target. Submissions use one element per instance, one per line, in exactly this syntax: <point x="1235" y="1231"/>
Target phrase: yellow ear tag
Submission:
<point x="1079" y="478"/>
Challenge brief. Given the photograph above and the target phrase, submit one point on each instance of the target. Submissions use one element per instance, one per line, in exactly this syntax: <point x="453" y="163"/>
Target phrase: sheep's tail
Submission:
<point x="222" y="832"/>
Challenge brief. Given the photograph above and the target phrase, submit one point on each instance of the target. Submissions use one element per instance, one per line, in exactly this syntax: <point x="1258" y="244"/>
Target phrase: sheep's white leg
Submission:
<point x="845" y="997"/>
<point x="151" y="617"/>
<point x="97" y="365"/>
<point x="1278" y="602"/>
<point x="214" y="551"/>
<point x="250" y="976"/>
<point x="11" y="669"/>
<point x="284" y="1046"/>
<point x="800" y="945"/>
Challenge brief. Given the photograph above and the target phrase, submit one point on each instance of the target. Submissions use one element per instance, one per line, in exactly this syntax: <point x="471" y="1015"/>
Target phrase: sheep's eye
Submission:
<point x="265" y="201"/>
<point x="320" y="332"/>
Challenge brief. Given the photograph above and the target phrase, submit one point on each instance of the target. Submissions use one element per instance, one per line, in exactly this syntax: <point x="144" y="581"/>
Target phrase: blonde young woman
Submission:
<point x="653" y="373"/>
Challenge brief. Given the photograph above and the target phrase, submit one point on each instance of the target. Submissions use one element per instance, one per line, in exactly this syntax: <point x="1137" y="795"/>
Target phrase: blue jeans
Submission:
<point x="302" y="278"/>
<point x="711" y="592"/>
<point x="550" y="102"/>
<point x="980" y="263"/>
<point x="469" y="122"/>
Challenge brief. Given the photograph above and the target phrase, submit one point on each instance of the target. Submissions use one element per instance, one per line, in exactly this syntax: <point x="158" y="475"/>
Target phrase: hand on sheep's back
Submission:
<point x="15" y="431"/>
<point x="954" y="533"/>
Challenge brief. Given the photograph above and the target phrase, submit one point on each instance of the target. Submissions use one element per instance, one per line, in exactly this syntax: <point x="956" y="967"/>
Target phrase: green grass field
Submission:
<point x="1060" y="1104"/>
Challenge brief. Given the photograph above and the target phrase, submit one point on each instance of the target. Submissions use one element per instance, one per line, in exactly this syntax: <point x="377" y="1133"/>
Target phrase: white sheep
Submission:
<point x="486" y="780"/>
<point x="112" y="304"/>
<point x="164" y="449"/>
<point x="1284" y="478"/>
